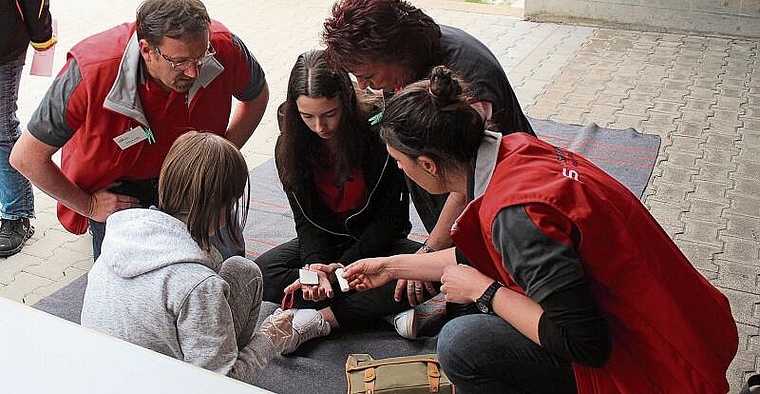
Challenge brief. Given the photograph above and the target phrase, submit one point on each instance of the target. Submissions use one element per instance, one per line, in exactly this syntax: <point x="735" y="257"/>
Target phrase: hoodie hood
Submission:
<point x="142" y="240"/>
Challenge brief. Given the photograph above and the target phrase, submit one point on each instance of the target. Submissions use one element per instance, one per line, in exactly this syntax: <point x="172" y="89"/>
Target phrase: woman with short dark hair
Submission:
<point x="388" y="44"/>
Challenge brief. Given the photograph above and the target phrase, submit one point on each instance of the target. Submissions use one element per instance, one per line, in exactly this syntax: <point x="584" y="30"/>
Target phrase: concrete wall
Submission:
<point x="723" y="17"/>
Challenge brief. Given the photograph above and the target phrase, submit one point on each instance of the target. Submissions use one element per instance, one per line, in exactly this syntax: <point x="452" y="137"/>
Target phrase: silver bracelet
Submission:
<point x="427" y="247"/>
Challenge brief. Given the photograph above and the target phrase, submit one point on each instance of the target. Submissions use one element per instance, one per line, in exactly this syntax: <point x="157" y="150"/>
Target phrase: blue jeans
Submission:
<point x="16" y="197"/>
<point x="485" y="354"/>
<point x="98" y="232"/>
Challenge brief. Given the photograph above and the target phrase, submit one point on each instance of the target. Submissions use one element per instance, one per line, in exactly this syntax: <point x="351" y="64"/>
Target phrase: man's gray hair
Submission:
<point x="157" y="19"/>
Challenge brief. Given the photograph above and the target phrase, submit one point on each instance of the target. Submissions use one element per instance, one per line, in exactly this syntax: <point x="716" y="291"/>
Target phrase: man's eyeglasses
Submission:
<point x="185" y="64"/>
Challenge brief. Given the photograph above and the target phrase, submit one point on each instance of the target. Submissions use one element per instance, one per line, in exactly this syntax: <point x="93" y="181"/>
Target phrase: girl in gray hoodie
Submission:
<point x="160" y="284"/>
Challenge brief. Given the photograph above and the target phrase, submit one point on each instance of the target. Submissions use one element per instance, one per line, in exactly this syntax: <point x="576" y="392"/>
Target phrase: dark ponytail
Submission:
<point x="433" y="118"/>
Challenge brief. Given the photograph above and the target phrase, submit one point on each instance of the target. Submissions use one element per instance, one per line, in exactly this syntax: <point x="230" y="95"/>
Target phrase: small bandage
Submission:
<point x="341" y="280"/>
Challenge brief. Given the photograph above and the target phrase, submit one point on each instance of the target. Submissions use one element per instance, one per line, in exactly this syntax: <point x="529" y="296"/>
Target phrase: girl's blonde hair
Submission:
<point x="201" y="183"/>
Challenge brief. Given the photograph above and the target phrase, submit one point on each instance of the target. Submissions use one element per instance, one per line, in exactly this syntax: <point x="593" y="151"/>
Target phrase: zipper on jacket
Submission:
<point x="345" y="222"/>
<point x="369" y="197"/>
<point x="295" y="197"/>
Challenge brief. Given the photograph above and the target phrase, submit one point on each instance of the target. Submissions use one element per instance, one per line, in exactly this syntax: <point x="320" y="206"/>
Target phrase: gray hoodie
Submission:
<point x="155" y="287"/>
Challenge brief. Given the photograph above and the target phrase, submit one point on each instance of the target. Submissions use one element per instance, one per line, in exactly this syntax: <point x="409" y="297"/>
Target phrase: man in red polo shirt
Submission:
<point x="122" y="99"/>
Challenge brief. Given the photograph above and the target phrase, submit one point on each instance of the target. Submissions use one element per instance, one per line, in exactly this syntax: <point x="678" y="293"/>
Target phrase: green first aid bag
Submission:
<point x="413" y="374"/>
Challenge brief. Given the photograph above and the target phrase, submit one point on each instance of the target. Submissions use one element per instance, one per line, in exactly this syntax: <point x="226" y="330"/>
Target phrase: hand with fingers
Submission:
<point x="321" y="291"/>
<point x="463" y="284"/>
<point x="103" y="203"/>
<point x="278" y="328"/>
<point x="415" y="291"/>
<point x="368" y="273"/>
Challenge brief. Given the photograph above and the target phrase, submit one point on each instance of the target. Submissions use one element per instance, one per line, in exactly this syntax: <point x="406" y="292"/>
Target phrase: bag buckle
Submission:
<point x="369" y="380"/>
<point x="434" y="376"/>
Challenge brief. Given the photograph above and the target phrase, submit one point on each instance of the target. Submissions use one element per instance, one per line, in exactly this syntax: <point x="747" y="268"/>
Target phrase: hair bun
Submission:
<point x="444" y="86"/>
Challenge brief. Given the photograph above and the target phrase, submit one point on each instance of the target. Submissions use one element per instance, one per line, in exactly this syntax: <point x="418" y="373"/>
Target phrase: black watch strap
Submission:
<point x="484" y="303"/>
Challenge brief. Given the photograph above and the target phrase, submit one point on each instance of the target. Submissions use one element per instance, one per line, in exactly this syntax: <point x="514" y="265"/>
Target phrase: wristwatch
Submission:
<point x="484" y="302"/>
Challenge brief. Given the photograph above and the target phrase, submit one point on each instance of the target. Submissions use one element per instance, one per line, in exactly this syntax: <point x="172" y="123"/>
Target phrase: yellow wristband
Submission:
<point x="41" y="46"/>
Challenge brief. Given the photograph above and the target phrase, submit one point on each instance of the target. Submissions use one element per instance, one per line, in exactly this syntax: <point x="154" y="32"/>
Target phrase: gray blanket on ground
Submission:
<point x="318" y="366"/>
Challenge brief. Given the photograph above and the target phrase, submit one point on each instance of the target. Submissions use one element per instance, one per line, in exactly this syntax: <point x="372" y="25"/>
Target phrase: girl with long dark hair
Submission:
<point x="348" y="198"/>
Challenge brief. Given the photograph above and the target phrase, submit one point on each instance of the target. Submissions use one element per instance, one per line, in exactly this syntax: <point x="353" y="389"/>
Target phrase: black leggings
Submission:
<point x="279" y="267"/>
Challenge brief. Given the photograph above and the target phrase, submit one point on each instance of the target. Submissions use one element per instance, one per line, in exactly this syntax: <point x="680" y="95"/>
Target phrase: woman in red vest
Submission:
<point x="579" y="287"/>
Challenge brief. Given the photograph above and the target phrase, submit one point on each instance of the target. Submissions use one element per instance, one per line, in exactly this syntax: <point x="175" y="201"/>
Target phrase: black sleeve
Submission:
<point x="313" y="242"/>
<point x="37" y="19"/>
<point x="461" y="257"/>
<point x="258" y="80"/>
<point x="538" y="263"/>
<point x="572" y="325"/>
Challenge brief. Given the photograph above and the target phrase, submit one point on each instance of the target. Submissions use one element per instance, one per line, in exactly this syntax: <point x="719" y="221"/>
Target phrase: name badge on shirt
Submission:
<point x="131" y="137"/>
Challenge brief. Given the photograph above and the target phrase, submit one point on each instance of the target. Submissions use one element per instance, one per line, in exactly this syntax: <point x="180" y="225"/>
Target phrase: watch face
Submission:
<point x="482" y="306"/>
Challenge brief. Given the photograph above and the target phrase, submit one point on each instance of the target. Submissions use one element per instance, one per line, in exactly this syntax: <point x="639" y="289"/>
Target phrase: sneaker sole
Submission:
<point x="8" y="253"/>
<point x="412" y="325"/>
<point x="409" y="330"/>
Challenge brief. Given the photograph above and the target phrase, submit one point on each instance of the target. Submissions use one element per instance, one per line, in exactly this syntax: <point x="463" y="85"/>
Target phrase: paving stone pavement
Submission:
<point x="700" y="94"/>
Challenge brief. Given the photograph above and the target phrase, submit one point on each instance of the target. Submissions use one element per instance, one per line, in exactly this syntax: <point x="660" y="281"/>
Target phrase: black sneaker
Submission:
<point x="752" y="386"/>
<point x="13" y="234"/>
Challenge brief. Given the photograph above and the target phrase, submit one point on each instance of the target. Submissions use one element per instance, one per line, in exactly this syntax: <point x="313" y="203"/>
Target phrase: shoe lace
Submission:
<point x="6" y="228"/>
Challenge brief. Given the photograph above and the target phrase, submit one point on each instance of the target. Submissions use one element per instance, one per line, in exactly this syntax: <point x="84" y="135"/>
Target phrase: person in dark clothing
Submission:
<point x="388" y="44"/>
<point x="577" y="287"/>
<point x="348" y="199"/>
<point x="22" y="22"/>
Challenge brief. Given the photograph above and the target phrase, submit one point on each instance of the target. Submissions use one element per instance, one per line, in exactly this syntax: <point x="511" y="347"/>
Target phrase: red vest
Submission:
<point x="672" y="331"/>
<point x="91" y="159"/>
